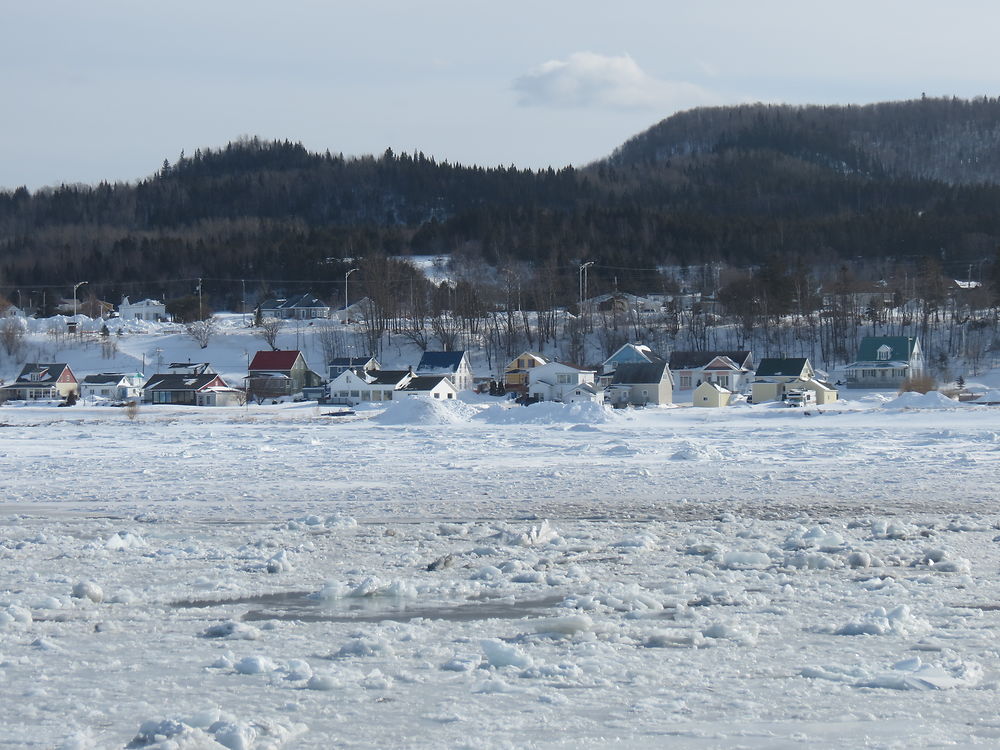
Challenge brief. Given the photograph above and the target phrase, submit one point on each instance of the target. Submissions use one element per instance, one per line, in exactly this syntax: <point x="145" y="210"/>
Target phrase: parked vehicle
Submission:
<point x="800" y="397"/>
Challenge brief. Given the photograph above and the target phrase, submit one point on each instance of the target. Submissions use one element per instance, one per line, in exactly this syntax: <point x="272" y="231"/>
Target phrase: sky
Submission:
<point x="106" y="90"/>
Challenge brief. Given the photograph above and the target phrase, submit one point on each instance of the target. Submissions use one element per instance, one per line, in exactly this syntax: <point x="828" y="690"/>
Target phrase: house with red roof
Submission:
<point x="279" y="373"/>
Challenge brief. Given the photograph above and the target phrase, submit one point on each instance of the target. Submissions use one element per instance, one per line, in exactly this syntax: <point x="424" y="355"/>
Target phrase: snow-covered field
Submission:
<point x="469" y="576"/>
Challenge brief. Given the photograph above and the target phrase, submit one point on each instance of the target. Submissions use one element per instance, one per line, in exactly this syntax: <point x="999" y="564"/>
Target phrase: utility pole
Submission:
<point x="75" y="287"/>
<point x="200" y="314"/>
<point x="346" y="277"/>
<point x="583" y="285"/>
<point x="244" y="307"/>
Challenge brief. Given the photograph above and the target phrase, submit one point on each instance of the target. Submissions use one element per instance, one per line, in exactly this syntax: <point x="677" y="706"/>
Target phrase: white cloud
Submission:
<point x="587" y="79"/>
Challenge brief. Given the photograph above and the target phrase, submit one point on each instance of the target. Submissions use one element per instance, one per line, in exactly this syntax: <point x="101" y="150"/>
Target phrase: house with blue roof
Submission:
<point x="453" y="365"/>
<point x="885" y="362"/>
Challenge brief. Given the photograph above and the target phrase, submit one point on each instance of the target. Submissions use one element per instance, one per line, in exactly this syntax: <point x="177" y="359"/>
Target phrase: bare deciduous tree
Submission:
<point x="203" y="330"/>
<point x="12" y="336"/>
<point x="268" y="329"/>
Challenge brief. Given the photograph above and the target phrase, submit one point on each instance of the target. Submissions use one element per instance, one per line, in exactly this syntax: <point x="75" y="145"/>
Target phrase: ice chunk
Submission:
<point x="88" y="590"/>
<point x="500" y="654"/>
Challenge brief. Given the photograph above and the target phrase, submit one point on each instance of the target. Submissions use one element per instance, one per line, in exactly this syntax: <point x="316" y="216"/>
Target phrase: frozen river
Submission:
<point x="470" y="577"/>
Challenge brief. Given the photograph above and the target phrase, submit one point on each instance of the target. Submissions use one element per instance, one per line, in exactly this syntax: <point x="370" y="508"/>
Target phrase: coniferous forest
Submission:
<point x="815" y="187"/>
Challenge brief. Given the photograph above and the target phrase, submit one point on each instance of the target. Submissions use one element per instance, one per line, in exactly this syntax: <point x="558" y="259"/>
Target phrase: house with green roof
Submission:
<point x="885" y="362"/>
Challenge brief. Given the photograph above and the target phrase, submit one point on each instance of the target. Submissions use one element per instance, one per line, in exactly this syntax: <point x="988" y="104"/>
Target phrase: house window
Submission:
<point x="685" y="381"/>
<point x="451" y="395"/>
<point x="884" y="352"/>
<point x="564" y="378"/>
<point x="355" y="394"/>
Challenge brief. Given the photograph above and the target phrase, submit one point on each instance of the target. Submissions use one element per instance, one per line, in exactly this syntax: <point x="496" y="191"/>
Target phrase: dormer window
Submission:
<point x="884" y="352"/>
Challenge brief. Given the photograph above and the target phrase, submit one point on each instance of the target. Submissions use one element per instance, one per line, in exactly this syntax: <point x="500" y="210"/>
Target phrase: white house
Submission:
<point x="430" y="386"/>
<point x="114" y="386"/>
<point x="453" y="365"/>
<point x="556" y="381"/>
<point x="147" y="309"/>
<point x="358" y="386"/>
<point x="885" y="362"/>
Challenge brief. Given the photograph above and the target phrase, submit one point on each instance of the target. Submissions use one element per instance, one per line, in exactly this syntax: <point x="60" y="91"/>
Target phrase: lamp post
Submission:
<point x="583" y="271"/>
<point x="75" y="287"/>
<point x="346" y="277"/>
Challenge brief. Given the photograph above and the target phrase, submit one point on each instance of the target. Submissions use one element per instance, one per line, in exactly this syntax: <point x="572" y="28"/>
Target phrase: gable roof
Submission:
<point x="387" y="377"/>
<point x="539" y="358"/>
<point x="104" y="378"/>
<point x="696" y="360"/>
<point x="174" y="381"/>
<point x="276" y="360"/>
<point x="441" y="361"/>
<point x="709" y="385"/>
<point x="424" y="383"/>
<point x="640" y="372"/>
<point x="351" y="361"/>
<point x="638" y="352"/>
<point x="47" y="372"/>
<point x="781" y="366"/>
<point x="901" y="346"/>
<point x="298" y="301"/>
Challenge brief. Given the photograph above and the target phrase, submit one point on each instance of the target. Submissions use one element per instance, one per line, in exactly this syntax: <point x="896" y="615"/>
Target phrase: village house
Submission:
<point x="147" y="309"/>
<point x="453" y="365"/>
<point x="628" y="354"/>
<point x="776" y="377"/>
<point x="299" y="307"/>
<point x="42" y="380"/>
<point x="113" y="386"/>
<point x="515" y="374"/>
<point x="353" y="387"/>
<point x="279" y="373"/>
<point x="430" y="386"/>
<point x="186" y="388"/>
<point x="557" y="381"/>
<point x="732" y="370"/>
<point x="337" y="365"/>
<point x="885" y="362"/>
<point x="641" y="384"/>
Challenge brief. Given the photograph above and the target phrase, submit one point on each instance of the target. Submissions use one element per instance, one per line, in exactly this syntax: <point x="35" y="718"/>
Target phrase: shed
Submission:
<point x="711" y="395"/>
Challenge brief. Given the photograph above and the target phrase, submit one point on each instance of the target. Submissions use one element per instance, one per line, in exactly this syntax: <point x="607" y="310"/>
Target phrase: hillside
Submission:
<point x="892" y="181"/>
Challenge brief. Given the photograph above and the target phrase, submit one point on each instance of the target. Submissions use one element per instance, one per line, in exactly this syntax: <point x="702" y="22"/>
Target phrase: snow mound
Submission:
<point x="425" y="411"/>
<point x="548" y="412"/>
<point x="929" y="400"/>
<point x="909" y="674"/>
<point x="688" y="451"/>
<point x="211" y="729"/>
<point x="897" y="621"/>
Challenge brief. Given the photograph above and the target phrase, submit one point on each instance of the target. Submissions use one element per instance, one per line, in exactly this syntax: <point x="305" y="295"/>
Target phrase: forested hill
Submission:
<point x="736" y="184"/>
<point x="956" y="141"/>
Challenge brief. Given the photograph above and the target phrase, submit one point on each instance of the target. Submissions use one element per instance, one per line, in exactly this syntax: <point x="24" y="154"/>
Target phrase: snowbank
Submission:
<point x="929" y="400"/>
<point x="425" y="411"/>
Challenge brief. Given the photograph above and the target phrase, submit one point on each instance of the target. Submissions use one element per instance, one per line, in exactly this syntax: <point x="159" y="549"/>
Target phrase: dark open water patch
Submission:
<point x="304" y="606"/>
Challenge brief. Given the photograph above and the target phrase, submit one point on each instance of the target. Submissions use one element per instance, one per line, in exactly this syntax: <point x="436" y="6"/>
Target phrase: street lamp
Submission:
<point x="346" y="277"/>
<point x="75" y="287"/>
<point x="583" y="271"/>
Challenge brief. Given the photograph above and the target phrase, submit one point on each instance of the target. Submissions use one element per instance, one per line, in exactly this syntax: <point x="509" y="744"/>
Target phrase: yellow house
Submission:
<point x="712" y="395"/>
<point x="825" y="393"/>
<point x="777" y="376"/>
<point x="515" y="374"/>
